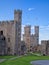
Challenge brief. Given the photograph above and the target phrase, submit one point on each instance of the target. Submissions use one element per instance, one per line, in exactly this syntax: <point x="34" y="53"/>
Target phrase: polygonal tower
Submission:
<point x="17" y="25"/>
<point x="37" y="34"/>
<point x="26" y="37"/>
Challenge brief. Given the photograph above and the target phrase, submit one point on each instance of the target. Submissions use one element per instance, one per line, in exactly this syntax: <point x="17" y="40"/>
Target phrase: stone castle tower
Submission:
<point x="10" y="35"/>
<point x="26" y="36"/>
<point x="31" y="40"/>
<point x="17" y="21"/>
<point x="37" y="34"/>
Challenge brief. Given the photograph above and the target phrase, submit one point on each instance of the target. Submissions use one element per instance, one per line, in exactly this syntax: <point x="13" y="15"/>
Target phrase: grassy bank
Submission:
<point x="6" y="57"/>
<point x="24" y="60"/>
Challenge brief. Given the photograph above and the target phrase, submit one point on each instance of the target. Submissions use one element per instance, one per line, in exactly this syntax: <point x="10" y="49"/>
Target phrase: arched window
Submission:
<point x="1" y="32"/>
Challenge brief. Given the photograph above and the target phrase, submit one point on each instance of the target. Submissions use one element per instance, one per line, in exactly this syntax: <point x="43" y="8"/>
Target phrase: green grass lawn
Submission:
<point x="6" y="57"/>
<point x="24" y="60"/>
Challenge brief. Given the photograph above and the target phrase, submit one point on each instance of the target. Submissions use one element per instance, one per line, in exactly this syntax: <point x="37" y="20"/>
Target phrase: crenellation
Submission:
<point x="18" y="11"/>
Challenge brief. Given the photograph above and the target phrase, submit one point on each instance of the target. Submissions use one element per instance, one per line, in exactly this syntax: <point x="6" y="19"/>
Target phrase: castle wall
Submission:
<point x="12" y="32"/>
<point x="45" y="47"/>
<point x="6" y="27"/>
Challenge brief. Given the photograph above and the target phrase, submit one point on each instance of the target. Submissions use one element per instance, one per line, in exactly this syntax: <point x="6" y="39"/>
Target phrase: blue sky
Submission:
<point x="34" y="12"/>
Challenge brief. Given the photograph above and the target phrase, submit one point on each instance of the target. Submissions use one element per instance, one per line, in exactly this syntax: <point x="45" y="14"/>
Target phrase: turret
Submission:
<point x="17" y="15"/>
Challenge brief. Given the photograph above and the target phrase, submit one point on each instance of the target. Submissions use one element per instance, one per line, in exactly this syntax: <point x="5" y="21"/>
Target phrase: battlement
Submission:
<point x="6" y="22"/>
<point x="18" y="11"/>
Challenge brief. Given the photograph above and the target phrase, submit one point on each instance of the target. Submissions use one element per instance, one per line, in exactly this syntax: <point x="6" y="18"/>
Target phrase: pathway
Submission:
<point x="2" y="60"/>
<point x="40" y="62"/>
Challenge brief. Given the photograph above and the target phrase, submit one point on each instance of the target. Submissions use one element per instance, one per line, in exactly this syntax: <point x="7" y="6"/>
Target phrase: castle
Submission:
<point x="10" y="35"/>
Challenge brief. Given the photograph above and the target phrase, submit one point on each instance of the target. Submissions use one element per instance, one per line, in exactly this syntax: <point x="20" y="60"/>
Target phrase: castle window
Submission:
<point x="4" y="38"/>
<point x="1" y="32"/>
<point x="8" y="39"/>
<point x="19" y="16"/>
<point x="37" y="39"/>
<point x="29" y="32"/>
<point x="9" y="49"/>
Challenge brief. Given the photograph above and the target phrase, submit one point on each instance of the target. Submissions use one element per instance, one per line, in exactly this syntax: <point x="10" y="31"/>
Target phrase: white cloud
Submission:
<point x="29" y="9"/>
<point x="44" y="33"/>
<point x="44" y="27"/>
<point x="21" y="37"/>
<point x="23" y="25"/>
<point x="23" y="29"/>
<point x="32" y="28"/>
<point x="28" y="23"/>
